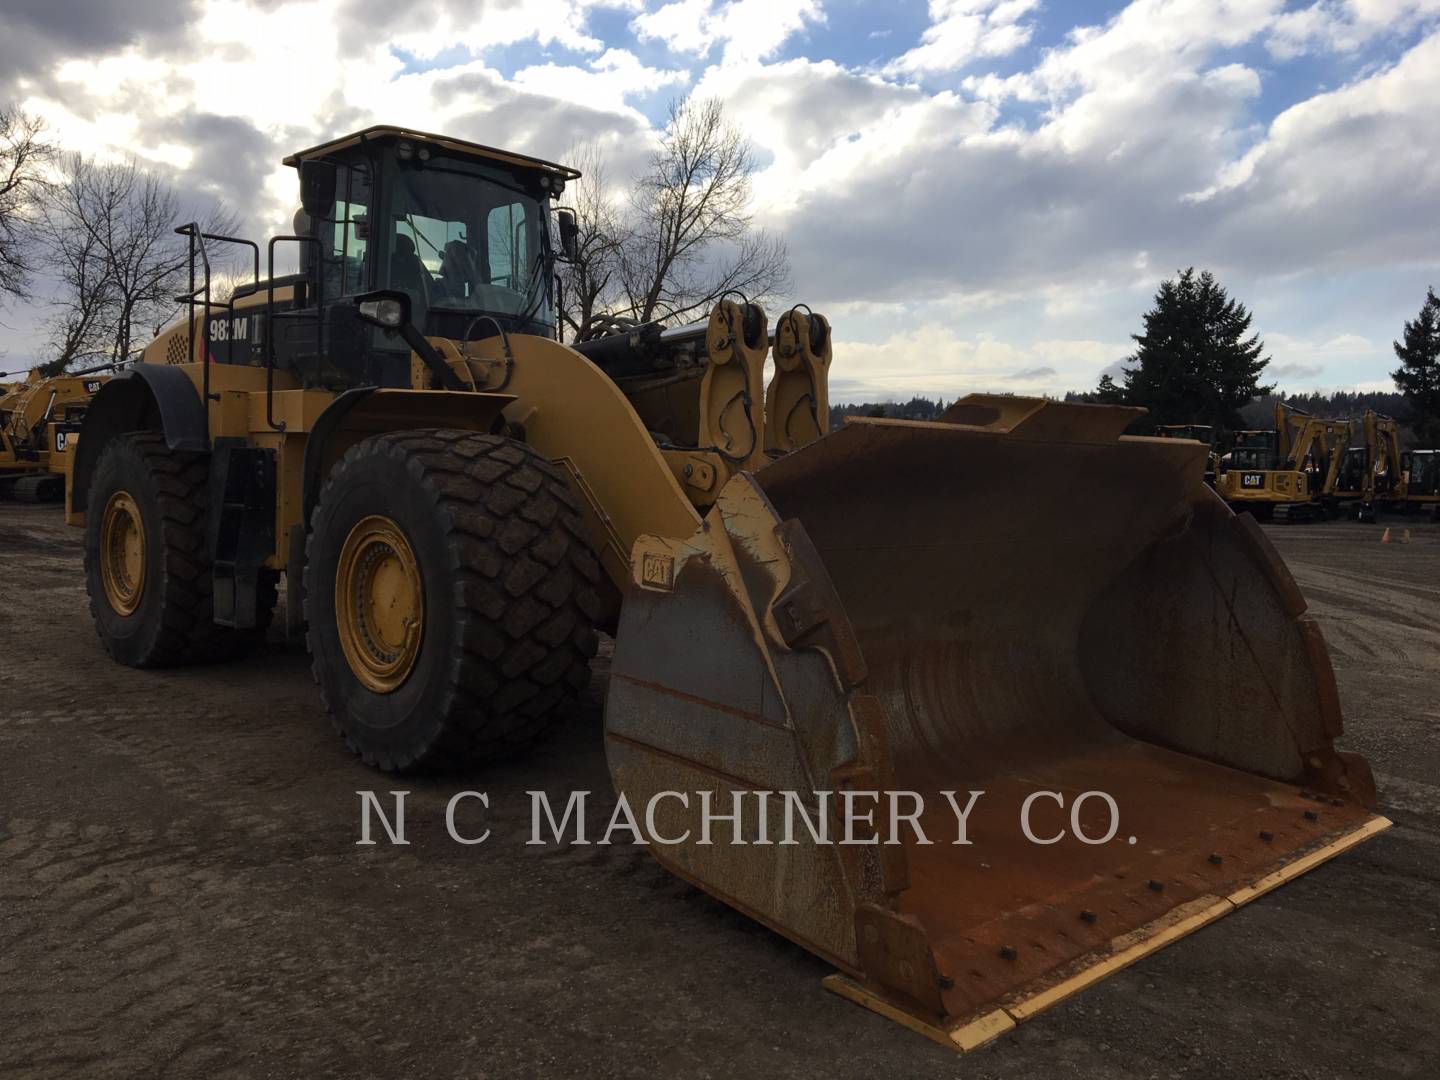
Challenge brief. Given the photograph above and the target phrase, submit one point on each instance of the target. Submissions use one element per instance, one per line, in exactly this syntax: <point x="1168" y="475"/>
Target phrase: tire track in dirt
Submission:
<point x="152" y="935"/>
<point x="100" y="938"/>
<point x="1367" y="621"/>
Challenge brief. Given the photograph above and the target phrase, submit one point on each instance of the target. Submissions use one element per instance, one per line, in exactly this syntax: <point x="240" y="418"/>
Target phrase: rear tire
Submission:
<point x="450" y="594"/>
<point x="147" y="563"/>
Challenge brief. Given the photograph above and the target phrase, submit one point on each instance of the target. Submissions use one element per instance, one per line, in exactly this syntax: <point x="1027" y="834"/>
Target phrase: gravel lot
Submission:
<point x="181" y="893"/>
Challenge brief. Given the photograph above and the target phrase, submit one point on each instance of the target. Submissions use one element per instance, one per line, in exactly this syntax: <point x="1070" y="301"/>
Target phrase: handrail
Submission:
<point x="197" y="237"/>
<point x="270" y="316"/>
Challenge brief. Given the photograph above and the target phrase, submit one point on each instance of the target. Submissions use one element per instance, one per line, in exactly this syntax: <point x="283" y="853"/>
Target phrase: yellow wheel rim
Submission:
<point x="379" y="604"/>
<point x="122" y="553"/>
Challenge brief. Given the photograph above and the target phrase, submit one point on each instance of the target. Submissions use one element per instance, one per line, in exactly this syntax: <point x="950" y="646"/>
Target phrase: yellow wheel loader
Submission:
<point x="1016" y="600"/>
<point x="38" y="418"/>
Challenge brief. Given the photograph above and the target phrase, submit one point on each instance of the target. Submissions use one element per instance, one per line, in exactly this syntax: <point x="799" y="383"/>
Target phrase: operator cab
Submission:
<point x="462" y="230"/>
<point x="1252" y="450"/>
<point x="1423" y="469"/>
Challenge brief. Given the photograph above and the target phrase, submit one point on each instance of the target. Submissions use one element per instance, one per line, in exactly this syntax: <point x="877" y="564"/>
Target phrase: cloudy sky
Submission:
<point x="981" y="195"/>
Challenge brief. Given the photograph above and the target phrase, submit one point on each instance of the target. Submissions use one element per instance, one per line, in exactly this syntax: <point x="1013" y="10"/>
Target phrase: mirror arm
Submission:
<point x="431" y="356"/>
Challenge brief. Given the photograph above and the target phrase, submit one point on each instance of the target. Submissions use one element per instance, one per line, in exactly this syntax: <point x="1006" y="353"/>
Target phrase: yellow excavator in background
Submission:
<point x="1370" y="474"/>
<point x="1404" y="481"/>
<point x="1282" y="474"/>
<point x="1420" y="482"/>
<point x="1377" y="475"/>
<point x="1017" y="599"/>
<point x="38" y="416"/>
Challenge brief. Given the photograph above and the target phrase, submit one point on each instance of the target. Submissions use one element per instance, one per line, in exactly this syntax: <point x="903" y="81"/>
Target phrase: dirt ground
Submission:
<point x="181" y="893"/>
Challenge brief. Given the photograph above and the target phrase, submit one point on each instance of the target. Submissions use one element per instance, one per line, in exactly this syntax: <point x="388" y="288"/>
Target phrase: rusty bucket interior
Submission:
<point x="1015" y="600"/>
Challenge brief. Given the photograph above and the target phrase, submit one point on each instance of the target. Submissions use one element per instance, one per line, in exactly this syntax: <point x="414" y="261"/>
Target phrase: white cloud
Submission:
<point x="964" y="30"/>
<point x="295" y="94"/>
<point x="1351" y="176"/>
<point x="747" y="30"/>
<point x="932" y="360"/>
<point x="1345" y="25"/>
<point x="610" y="79"/>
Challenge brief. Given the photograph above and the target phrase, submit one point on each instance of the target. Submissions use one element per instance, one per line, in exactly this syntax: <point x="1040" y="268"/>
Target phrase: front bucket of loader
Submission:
<point x="1016" y="601"/>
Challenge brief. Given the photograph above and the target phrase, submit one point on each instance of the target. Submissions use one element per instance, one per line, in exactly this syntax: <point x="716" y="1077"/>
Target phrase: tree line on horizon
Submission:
<point x="1197" y="361"/>
<point x="1255" y="414"/>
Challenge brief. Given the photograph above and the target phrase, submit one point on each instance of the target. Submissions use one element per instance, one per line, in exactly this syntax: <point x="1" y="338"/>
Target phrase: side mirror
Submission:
<point x="389" y="309"/>
<point x="569" y="233"/>
<point x="386" y="308"/>
<point x="317" y="187"/>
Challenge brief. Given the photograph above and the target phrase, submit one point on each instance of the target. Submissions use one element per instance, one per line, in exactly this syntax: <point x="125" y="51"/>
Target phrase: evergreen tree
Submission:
<point x="1197" y="361"/>
<point x="1418" y="376"/>
<point x="1108" y="392"/>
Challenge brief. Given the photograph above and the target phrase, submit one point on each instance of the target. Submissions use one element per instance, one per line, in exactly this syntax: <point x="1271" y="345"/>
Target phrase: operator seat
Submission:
<point x="408" y="273"/>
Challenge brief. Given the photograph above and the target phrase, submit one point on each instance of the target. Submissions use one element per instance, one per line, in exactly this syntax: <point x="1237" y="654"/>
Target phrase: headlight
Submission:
<point x="384" y="312"/>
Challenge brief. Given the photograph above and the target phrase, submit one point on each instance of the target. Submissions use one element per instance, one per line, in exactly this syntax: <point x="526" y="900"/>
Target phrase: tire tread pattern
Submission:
<point x="526" y="593"/>
<point x="187" y="633"/>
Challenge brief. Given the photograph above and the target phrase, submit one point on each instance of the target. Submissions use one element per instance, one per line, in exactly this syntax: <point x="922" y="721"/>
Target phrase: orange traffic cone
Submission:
<point x="1405" y="539"/>
<point x="1386" y="538"/>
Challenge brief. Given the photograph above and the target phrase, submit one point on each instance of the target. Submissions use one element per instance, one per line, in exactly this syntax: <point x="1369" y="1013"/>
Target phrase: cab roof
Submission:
<point x="455" y="146"/>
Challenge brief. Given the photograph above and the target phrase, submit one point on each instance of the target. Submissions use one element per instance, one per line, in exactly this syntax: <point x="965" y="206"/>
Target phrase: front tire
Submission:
<point x="451" y="598"/>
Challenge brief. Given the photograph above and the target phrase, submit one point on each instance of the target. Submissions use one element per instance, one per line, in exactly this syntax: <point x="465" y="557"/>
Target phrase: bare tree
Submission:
<point x="24" y="151"/>
<point x="685" y="238"/>
<point x="692" y="238"/>
<point x="81" y="327"/>
<point x="111" y="228"/>
<point x="591" y="281"/>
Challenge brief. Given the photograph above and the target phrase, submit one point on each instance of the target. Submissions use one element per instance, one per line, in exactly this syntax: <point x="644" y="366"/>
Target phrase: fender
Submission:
<point x="146" y="397"/>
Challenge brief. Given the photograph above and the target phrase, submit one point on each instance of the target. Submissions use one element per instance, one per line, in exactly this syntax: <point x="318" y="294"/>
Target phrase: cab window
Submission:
<point x="349" y="232"/>
<point x="505" y="230"/>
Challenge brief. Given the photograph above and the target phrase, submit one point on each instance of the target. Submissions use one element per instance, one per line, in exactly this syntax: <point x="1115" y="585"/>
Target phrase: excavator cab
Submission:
<point x="1423" y="473"/>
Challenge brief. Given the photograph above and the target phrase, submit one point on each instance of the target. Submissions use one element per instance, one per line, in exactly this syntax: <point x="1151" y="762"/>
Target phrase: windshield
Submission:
<point x="465" y="239"/>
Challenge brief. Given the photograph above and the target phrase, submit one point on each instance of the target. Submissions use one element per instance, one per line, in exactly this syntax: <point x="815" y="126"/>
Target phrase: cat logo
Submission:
<point x="92" y="386"/>
<point x="657" y="570"/>
<point x="1252" y="480"/>
<point x="62" y="440"/>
